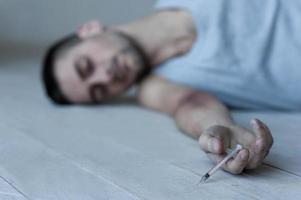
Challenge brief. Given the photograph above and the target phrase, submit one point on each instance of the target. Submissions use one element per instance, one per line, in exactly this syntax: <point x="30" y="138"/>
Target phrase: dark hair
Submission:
<point x="51" y="85"/>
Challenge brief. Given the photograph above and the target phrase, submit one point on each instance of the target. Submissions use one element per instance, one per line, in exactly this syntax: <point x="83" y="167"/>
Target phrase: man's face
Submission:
<point x="98" y="68"/>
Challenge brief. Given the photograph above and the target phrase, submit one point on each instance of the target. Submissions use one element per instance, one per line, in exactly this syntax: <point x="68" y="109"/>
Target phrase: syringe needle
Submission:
<point x="220" y="164"/>
<point x="204" y="178"/>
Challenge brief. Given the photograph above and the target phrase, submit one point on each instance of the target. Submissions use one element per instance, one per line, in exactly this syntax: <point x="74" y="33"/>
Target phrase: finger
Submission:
<point x="215" y="139"/>
<point x="260" y="147"/>
<point x="262" y="133"/>
<point x="258" y="128"/>
<point x="262" y="130"/>
<point x="210" y="144"/>
<point x="258" y="154"/>
<point x="237" y="165"/>
<point x="268" y="133"/>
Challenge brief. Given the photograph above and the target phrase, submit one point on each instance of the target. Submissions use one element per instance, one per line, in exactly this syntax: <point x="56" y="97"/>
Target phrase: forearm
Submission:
<point x="193" y="110"/>
<point x="205" y="118"/>
<point x="197" y="112"/>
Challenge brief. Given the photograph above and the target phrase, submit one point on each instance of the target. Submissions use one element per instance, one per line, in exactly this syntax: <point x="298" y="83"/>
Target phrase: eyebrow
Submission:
<point x="93" y="89"/>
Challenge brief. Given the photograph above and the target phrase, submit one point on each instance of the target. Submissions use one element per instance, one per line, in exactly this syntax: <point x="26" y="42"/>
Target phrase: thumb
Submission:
<point x="215" y="139"/>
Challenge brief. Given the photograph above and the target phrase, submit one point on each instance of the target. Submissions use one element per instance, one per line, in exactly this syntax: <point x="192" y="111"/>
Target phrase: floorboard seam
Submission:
<point x="86" y="170"/>
<point x="275" y="167"/>
<point x="15" y="187"/>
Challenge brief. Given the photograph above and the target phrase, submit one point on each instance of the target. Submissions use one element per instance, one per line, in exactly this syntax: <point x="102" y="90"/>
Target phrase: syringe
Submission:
<point x="220" y="164"/>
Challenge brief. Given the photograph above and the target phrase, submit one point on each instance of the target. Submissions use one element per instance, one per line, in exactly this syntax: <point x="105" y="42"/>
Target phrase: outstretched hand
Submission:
<point x="256" y="145"/>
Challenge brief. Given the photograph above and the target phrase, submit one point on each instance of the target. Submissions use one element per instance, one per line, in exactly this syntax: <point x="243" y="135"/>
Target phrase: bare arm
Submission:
<point x="193" y="111"/>
<point x="204" y="117"/>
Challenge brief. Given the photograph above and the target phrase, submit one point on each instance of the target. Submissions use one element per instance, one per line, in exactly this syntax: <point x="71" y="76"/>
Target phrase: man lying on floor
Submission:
<point x="190" y="60"/>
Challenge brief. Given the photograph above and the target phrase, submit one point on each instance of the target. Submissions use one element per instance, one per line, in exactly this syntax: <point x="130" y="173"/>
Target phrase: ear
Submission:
<point x="89" y="29"/>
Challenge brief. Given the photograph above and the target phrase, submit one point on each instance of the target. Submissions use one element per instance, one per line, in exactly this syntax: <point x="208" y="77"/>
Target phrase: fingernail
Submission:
<point x="215" y="145"/>
<point x="255" y="123"/>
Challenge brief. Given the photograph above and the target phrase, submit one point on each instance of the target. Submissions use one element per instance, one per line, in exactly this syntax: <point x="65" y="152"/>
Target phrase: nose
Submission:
<point x="101" y="74"/>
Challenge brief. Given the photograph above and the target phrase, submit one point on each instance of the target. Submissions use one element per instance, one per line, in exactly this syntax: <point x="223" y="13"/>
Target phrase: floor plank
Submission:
<point x="125" y="152"/>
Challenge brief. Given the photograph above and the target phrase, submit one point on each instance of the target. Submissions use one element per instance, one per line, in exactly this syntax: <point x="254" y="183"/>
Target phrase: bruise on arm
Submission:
<point x="162" y="95"/>
<point x="193" y="110"/>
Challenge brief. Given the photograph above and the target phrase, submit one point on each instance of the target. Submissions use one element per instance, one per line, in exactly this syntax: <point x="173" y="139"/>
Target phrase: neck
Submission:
<point x="163" y="35"/>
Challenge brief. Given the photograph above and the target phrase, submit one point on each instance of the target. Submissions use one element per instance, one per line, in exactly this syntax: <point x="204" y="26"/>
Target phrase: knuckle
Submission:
<point x="219" y="131"/>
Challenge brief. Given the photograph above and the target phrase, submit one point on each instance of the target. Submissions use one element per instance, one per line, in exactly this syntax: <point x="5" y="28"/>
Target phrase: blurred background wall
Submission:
<point x="28" y="26"/>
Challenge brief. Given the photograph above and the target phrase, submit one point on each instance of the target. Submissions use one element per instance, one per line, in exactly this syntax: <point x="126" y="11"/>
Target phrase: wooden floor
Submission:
<point x="123" y="152"/>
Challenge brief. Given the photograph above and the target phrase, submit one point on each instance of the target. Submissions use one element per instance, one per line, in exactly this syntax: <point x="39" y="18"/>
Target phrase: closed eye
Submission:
<point x="84" y="67"/>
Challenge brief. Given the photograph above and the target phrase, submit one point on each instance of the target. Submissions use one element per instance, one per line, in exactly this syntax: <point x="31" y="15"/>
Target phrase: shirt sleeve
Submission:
<point x="192" y="6"/>
<point x="172" y="68"/>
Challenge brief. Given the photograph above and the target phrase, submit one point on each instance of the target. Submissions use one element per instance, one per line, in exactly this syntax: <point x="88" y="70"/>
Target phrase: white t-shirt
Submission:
<point x="248" y="52"/>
